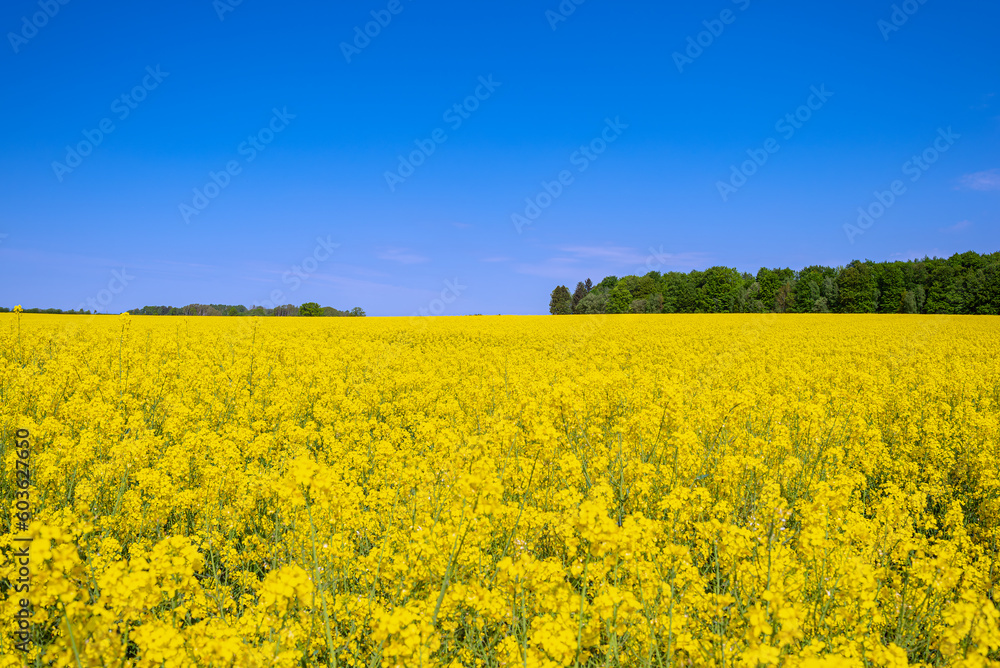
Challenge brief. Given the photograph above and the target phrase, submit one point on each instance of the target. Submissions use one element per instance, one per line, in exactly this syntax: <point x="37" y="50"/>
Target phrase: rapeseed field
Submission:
<point x="701" y="490"/>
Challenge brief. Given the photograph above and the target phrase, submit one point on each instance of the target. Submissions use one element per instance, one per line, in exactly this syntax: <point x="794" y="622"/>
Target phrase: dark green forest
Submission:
<point x="965" y="283"/>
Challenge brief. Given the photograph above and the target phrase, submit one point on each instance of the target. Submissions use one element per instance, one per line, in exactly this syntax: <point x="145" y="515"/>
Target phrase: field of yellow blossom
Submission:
<point x="703" y="490"/>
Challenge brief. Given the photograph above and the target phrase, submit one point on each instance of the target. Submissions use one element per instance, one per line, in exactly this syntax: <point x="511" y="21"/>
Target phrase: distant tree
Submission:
<point x="769" y="284"/>
<point x="587" y="284"/>
<point x="357" y="312"/>
<point x="857" y="288"/>
<point x="630" y="283"/>
<point x="672" y="287"/>
<point x="644" y="287"/>
<point x="783" y="299"/>
<point x="286" y="310"/>
<point x="944" y="293"/>
<point x="770" y="281"/>
<point x="310" y="310"/>
<point x="608" y="283"/>
<point x="829" y="290"/>
<point x="749" y="297"/>
<point x="579" y="293"/>
<point x="808" y="287"/>
<point x="891" y="287"/>
<point x="908" y="302"/>
<point x="654" y="303"/>
<point x="920" y="294"/>
<point x="681" y="292"/>
<point x="991" y="289"/>
<point x="595" y="302"/>
<point x="980" y="291"/>
<point x="718" y="289"/>
<point x="561" y="302"/>
<point x="968" y="260"/>
<point x="619" y="299"/>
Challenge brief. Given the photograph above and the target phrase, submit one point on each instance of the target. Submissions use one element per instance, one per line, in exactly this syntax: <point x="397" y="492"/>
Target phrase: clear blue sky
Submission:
<point x="650" y="200"/>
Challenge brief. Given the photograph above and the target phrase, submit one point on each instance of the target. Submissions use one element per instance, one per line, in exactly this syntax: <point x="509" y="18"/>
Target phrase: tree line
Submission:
<point x="50" y="311"/>
<point x="309" y="309"/>
<point x="965" y="283"/>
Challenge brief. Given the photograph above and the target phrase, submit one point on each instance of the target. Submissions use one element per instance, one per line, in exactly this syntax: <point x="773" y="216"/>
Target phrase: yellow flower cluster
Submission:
<point x="731" y="490"/>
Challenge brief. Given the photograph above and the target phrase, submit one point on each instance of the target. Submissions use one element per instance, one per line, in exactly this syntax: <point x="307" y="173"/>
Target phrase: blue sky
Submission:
<point x="251" y="154"/>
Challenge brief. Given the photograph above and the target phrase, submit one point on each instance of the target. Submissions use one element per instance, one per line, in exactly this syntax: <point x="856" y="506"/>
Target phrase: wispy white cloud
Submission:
<point x="256" y="279"/>
<point x="917" y="255"/>
<point x="562" y="268"/>
<point x="574" y="261"/>
<point x="616" y="255"/>
<point x="274" y="270"/>
<point x="957" y="227"/>
<point x="985" y="180"/>
<point x="619" y="256"/>
<point x="352" y="285"/>
<point x="401" y="255"/>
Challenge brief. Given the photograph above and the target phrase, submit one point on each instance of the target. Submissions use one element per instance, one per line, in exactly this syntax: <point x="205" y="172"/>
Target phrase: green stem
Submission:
<point x="72" y="640"/>
<point x="322" y="598"/>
